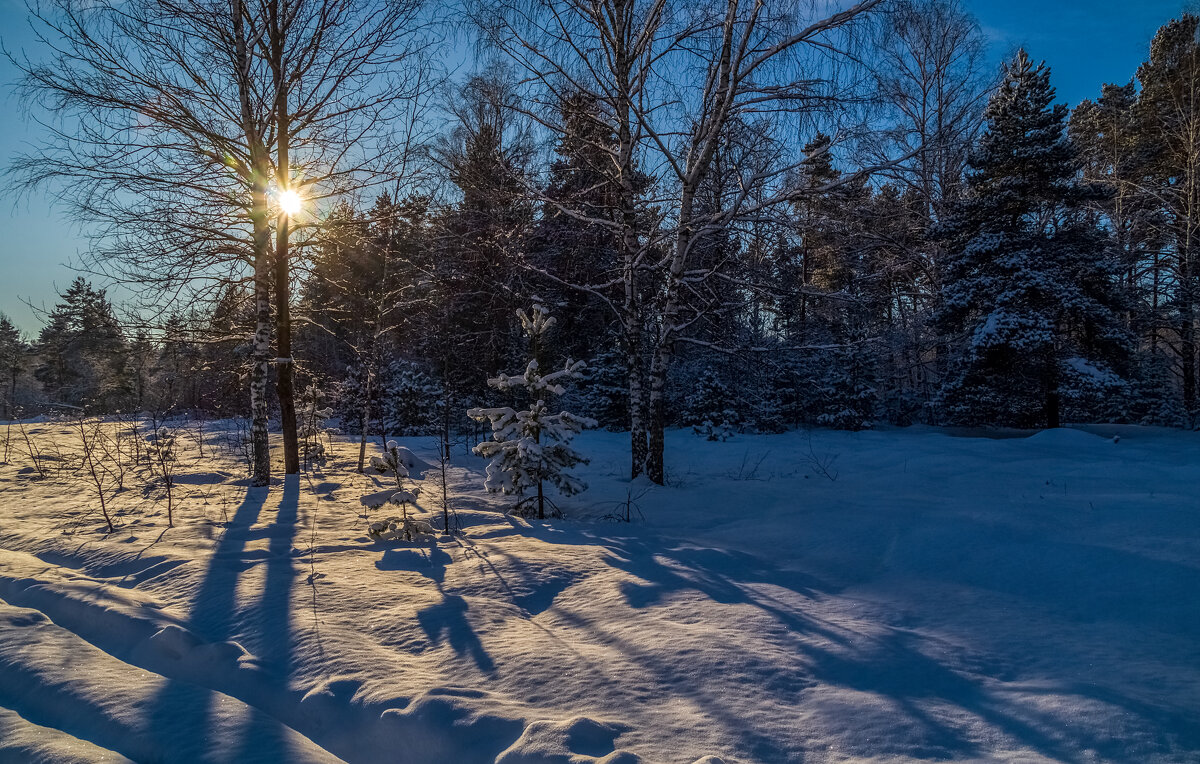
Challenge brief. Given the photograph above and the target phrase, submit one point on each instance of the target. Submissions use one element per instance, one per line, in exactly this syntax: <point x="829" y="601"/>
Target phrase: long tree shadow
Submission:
<point x="272" y="639"/>
<point x="447" y="620"/>
<point x="185" y="709"/>
<point x="890" y="663"/>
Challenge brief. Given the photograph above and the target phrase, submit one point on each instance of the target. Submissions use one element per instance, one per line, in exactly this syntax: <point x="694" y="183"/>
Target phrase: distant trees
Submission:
<point x="748" y="215"/>
<point x="82" y="350"/>
<point x="1168" y="161"/>
<point x="12" y="361"/>
<point x="739" y="73"/>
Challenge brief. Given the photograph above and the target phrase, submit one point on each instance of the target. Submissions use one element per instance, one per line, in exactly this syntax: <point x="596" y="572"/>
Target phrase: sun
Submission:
<point x="290" y="202"/>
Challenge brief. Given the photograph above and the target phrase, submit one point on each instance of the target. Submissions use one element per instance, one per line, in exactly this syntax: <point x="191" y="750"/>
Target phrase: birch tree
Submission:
<point x="176" y="129"/>
<point x="669" y="83"/>
<point x="750" y="67"/>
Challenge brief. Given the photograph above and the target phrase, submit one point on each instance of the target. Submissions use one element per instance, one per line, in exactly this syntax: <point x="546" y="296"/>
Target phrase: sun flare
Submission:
<point x="289" y="202"/>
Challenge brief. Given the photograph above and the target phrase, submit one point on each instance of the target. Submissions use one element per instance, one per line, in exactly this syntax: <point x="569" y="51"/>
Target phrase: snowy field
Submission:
<point x="883" y="596"/>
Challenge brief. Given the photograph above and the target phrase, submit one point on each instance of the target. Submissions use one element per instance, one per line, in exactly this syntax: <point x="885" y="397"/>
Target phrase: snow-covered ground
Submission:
<point x="883" y="596"/>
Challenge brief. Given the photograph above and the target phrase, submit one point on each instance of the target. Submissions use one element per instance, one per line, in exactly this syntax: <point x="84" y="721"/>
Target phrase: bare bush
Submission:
<point x="98" y="459"/>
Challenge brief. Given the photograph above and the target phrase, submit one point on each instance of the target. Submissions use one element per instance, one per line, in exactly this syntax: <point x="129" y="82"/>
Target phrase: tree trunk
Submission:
<point x="631" y="309"/>
<point x="365" y="421"/>
<point x="261" y="357"/>
<point x="259" y="171"/>
<point x="284" y="385"/>
<point x="656" y="459"/>
<point x="1053" y="403"/>
<point x="665" y="350"/>
<point x="637" y="403"/>
<point x="1187" y="328"/>
<point x="1187" y="352"/>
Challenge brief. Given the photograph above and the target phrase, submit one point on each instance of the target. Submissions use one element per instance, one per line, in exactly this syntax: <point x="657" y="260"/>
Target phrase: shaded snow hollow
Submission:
<point x="891" y="596"/>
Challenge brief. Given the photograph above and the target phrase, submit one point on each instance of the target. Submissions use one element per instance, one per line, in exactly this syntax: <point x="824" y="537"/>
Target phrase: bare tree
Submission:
<point x="933" y="82"/>
<point x="351" y="80"/>
<point x="163" y="453"/>
<point x="609" y="51"/>
<point x="932" y="85"/>
<point x="184" y="131"/>
<point x="671" y="83"/>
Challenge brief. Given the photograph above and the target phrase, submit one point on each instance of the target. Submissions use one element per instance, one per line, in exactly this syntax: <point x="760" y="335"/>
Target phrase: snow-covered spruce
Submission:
<point x="400" y="529"/>
<point x="399" y="463"/>
<point x="1027" y="291"/>
<point x="710" y="408"/>
<point x="532" y="447"/>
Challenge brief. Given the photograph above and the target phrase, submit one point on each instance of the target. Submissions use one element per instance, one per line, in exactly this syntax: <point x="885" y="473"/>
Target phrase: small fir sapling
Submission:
<point x="313" y="418"/>
<point x="531" y="447"/>
<point x="399" y="463"/>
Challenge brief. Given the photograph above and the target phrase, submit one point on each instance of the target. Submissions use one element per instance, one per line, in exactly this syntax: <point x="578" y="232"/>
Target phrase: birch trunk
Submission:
<point x="261" y="357"/>
<point x="260" y="255"/>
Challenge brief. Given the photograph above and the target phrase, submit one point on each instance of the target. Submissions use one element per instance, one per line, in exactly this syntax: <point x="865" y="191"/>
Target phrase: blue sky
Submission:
<point x="1085" y="42"/>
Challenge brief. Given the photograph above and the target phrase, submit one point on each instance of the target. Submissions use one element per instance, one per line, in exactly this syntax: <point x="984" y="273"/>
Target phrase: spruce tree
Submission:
<point x="1028" y="289"/>
<point x="12" y="361"/>
<point x="82" y="350"/>
<point x="531" y="447"/>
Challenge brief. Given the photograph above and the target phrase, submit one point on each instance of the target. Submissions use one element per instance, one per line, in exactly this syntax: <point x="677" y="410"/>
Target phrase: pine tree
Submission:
<point x="476" y="283"/>
<point x="176" y="365"/>
<point x="82" y="350"/>
<point x="575" y="251"/>
<point x="1028" y="291"/>
<point x="846" y="394"/>
<point x="410" y="400"/>
<point x="532" y="447"/>
<point x="12" y="361"/>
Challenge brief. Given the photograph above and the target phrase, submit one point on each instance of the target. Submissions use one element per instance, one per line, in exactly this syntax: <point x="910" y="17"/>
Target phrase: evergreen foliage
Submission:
<point x="1028" y="285"/>
<point x="531" y="447"/>
<point x="82" y="350"/>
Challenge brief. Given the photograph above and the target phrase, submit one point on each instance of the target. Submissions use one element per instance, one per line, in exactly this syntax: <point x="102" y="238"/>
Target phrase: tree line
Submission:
<point x="744" y="216"/>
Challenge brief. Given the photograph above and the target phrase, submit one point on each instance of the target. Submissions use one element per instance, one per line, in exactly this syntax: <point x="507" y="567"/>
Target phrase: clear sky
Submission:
<point x="1085" y="42"/>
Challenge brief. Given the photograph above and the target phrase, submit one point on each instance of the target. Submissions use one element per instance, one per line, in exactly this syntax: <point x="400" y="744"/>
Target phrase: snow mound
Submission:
<point x="574" y="741"/>
<point x="415" y="465"/>
<point x="22" y="741"/>
<point x="1066" y="437"/>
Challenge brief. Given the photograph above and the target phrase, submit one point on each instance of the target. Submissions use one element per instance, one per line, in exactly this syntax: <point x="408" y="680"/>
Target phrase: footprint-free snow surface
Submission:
<point x="886" y="596"/>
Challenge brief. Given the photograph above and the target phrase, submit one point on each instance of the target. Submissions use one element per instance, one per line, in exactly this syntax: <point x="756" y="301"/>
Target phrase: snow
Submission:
<point x="946" y="596"/>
